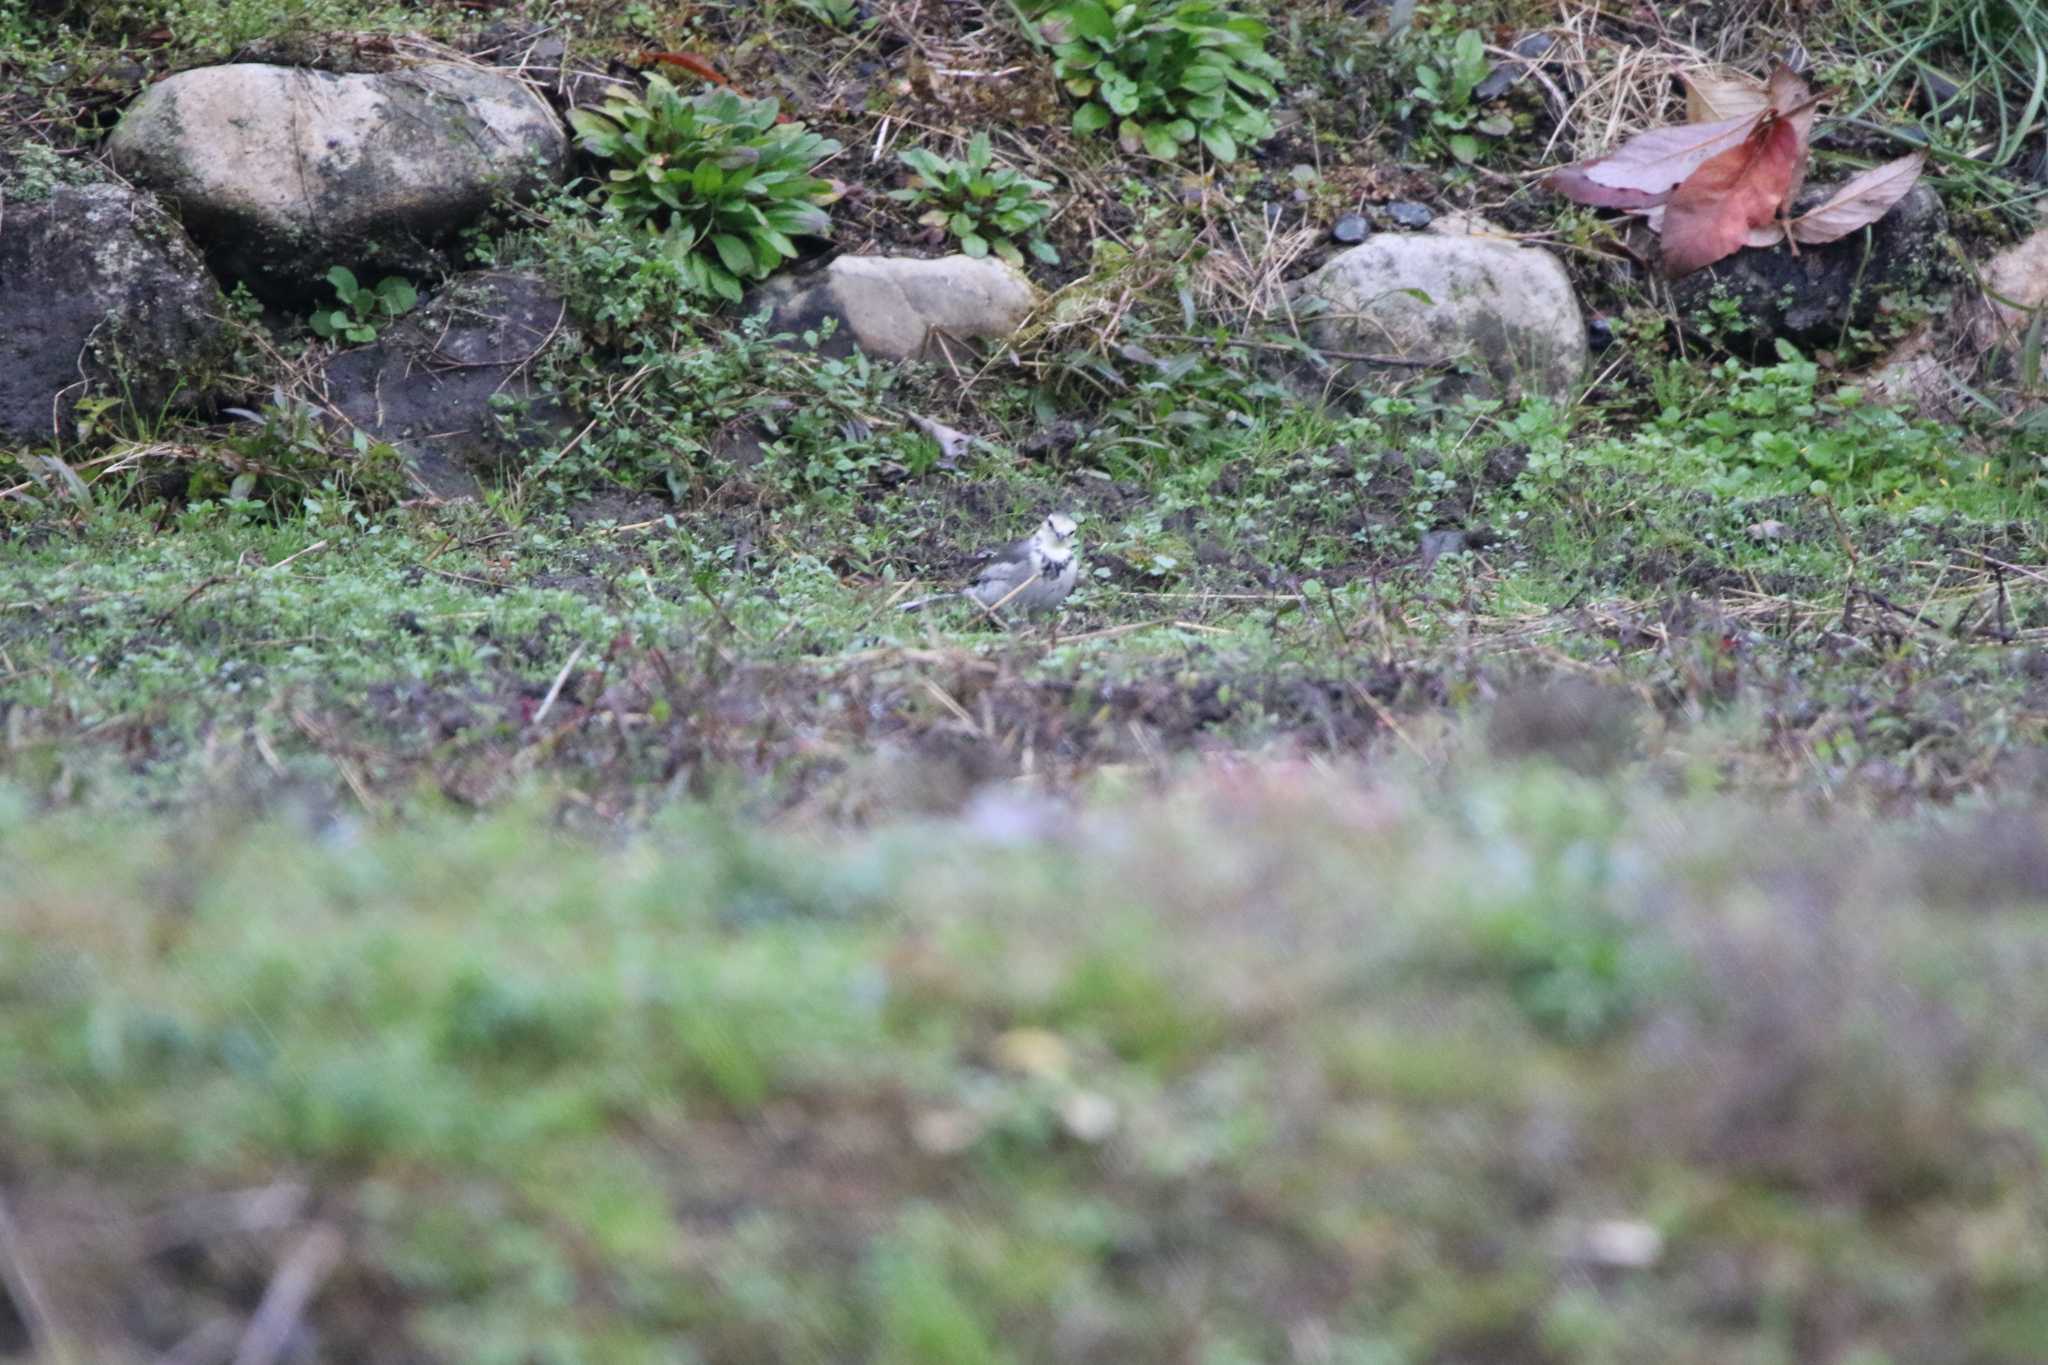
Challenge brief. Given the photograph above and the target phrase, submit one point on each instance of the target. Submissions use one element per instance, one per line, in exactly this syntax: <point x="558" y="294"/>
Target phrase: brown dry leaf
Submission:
<point x="1715" y="93"/>
<point x="1713" y="212"/>
<point x="1860" y="202"/>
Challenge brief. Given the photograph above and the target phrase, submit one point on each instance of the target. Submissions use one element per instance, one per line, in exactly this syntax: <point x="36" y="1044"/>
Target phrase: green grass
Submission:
<point x="1280" y="556"/>
<point x="743" y="1095"/>
<point x="639" y="942"/>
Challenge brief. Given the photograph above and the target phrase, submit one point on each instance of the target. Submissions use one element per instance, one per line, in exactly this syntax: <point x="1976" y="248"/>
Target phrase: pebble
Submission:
<point x="1620" y="1244"/>
<point x="1503" y="77"/>
<point x="1349" y="229"/>
<point x="1437" y="544"/>
<point x="1409" y="214"/>
<point x="1087" y="1116"/>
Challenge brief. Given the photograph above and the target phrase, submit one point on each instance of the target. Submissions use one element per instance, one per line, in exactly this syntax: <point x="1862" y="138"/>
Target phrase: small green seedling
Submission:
<point x="1447" y="88"/>
<point x="362" y="310"/>
<point x="988" y="207"/>
<point x="844" y="15"/>
<point x="725" y="184"/>
<point x="1165" y="73"/>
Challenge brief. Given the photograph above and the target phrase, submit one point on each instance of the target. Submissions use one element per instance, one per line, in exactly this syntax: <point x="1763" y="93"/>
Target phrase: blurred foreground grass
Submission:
<point x="1284" y="1063"/>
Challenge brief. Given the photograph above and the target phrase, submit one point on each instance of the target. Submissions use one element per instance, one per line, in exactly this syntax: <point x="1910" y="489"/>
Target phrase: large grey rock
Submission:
<point x="452" y="385"/>
<point x="901" y="307"/>
<point x="281" y="172"/>
<point x="1502" y="316"/>
<point x="1814" y="298"/>
<point x="100" y="292"/>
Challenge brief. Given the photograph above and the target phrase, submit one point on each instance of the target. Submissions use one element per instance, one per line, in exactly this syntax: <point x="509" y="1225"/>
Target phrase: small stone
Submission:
<point x="1498" y="318"/>
<point x="901" y="307"/>
<point x="1087" y="1116"/>
<point x="1498" y="82"/>
<point x="1350" y="229"/>
<point x="1767" y="530"/>
<point x="1035" y="1052"/>
<point x="1508" y="74"/>
<point x="1009" y="818"/>
<point x="1437" y="544"/>
<point x="1407" y="213"/>
<point x="945" y="1132"/>
<point x="1599" y="334"/>
<point x="1618" y="1244"/>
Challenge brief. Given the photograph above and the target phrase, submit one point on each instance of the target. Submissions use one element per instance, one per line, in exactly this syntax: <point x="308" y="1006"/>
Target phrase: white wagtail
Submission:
<point x="1032" y="575"/>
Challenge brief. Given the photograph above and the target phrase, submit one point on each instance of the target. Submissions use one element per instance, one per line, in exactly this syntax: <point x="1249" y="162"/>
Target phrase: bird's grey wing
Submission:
<point x="1006" y="565"/>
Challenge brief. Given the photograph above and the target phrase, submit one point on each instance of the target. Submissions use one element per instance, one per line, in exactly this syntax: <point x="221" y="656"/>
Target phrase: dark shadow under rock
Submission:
<point x="1814" y="298"/>
<point x="100" y="292"/>
<point x="452" y="386"/>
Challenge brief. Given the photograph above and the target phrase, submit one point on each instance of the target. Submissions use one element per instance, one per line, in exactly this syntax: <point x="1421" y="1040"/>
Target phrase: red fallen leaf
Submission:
<point x="696" y="66"/>
<point x="1709" y="189"/>
<point x="1792" y="99"/>
<point x="1712" y="213"/>
<point x="1657" y="162"/>
<point x="1861" y="201"/>
<point x="1575" y="185"/>
<point x="688" y="61"/>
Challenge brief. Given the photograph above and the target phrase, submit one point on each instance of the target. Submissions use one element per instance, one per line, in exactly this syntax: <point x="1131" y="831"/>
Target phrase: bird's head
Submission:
<point x="1058" y="529"/>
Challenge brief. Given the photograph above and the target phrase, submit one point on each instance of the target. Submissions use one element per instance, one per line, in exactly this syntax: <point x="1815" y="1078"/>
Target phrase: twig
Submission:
<point x="945" y="699"/>
<point x="1842" y="534"/>
<point x="993" y="610"/>
<point x="1411" y="362"/>
<point x="1112" y="632"/>
<point x="309" y="1262"/>
<point x="454" y="577"/>
<point x="1386" y="718"/>
<point x="297" y="554"/>
<point x="547" y="703"/>
<point x="189" y="598"/>
<point x="19" y="1280"/>
<point x="185" y="601"/>
<point x="2019" y="569"/>
<point x="312" y="730"/>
